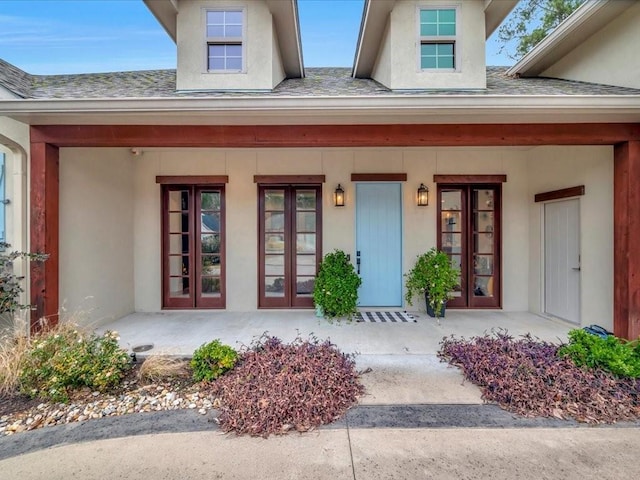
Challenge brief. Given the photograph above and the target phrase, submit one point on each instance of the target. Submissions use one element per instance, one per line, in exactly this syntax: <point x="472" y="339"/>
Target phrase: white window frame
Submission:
<point x="242" y="41"/>
<point x="444" y="39"/>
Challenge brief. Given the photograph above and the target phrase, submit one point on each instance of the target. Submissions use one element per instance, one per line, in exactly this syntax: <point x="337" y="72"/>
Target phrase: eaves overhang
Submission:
<point x="585" y="21"/>
<point x="328" y="110"/>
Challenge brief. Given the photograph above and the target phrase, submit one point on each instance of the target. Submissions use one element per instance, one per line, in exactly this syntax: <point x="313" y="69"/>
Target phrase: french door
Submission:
<point x="290" y="244"/>
<point x="193" y="247"/>
<point x="469" y="233"/>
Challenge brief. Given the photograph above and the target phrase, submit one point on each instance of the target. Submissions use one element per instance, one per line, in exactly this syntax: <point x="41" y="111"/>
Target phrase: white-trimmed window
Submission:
<point x="225" y="42"/>
<point x="438" y="38"/>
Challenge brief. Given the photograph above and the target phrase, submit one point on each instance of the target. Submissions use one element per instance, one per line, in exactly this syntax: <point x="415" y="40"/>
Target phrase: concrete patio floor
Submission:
<point x="400" y="358"/>
<point x="180" y="333"/>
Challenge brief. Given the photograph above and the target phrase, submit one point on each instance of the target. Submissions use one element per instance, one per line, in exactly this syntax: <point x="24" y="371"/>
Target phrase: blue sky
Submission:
<point x="84" y="36"/>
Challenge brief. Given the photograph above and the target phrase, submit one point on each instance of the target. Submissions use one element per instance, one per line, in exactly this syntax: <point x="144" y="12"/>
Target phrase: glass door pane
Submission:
<point x="274" y="244"/>
<point x="179" y="245"/>
<point x="483" y="205"/>
<point x="452" y="237"/>
<point x="305" y="236"/>
<point x="210" y="246"/>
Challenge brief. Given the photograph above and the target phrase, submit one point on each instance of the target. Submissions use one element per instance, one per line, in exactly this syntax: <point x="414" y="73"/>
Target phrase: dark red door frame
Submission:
<point x="46" y="140"/>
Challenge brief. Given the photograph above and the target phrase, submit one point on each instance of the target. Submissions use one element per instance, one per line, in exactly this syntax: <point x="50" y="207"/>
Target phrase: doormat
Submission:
<point x="384" y="317"/>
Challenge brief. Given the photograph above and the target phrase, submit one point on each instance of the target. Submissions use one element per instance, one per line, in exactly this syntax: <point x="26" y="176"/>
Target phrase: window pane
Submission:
<point x="233" y="31"/>
<point x="210" y="222"/>
<point x="274" y="221"/>
<point x="210" y="243"/>
<point x="483" y="222"/>
<point x="306" y="265"/>
<point x="445" y="49"/>
<point x="451" y="221"/>
<point x="274" y="243"/>
<point x="215" y="31"/>
<point x="428" y="16"/>
<point x="274" y="286"/>
<point x="483" y="287"/>
<point x="274" y="265"/>
<point x="452" y="242"/>
<point x="483" y="265"/>
<point x="306" y="200"/>
<point x="428" y="62"/>
<point x="216" y="63"/>
<point x="178" y="265"/>
<point x="447" y="29"/>
<point x="483" y="242"/>
<point x="451" y="200"/>
<point x="210" y="200"/>
<point x="234" y="63"/>
<point x="447" y="16"/>
<point x="178" y="200"/>
<point x="178" y="243"/>
<point x="210" y="287"/>
<point x="211" y="265"/>
<point x="274" y="199"/>
<point x="234" y="51"/>
<point x="429" y="30"/>
<point x="304" y="285"/>
<point x="178" y="222"/>
<point x="445" y="62"/>
<point x="233" y="17"/>
<point x="216" y="50"/>
<point x="483" y="199"/>
<point x="215" y="17"/>
<point x="306" y="221"/>
<point x="428" y="49"/>
<point x="306" y="243"/>
<point x="178" y="287"/>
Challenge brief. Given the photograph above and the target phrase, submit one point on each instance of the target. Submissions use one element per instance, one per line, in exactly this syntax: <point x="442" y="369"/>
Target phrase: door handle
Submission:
<point x="358" y="261"/>
<point x="577" y="269"/>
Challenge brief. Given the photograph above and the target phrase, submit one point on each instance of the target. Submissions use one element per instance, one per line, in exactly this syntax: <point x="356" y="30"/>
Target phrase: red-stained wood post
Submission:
<point x="626" y="240"/>
<point x="44" y="186"/>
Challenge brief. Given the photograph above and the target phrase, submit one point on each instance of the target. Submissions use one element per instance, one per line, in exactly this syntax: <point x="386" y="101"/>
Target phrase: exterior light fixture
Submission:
<point x="423" y="196"/>
<point x="338" y="196"/>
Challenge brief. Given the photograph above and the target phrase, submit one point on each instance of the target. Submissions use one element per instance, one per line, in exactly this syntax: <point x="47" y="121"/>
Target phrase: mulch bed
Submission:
<point x="525" y="376"/>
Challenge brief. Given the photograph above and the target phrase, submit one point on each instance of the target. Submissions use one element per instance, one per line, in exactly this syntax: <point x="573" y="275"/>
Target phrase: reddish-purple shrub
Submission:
<point x="526" y="376"/>
<point x="277" y="387"/>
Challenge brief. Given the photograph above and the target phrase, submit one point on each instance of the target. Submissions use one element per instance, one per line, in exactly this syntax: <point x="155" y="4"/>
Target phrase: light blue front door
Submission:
<point x="379" y="243"/>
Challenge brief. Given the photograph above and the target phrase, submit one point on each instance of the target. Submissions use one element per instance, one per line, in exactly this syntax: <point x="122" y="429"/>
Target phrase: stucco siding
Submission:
<point x="192" y="52"/>
<point x="277" y="66"/>
<point x="470" y="47"/>
<point x="554" y="168"/>
<point x="382" y="68"/>
<point x="96" y="233"/>
<point x="605" y="57"/>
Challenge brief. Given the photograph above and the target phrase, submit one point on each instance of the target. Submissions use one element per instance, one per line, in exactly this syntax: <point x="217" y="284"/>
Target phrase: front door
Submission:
<point x="562" y="259"/>
<point x="469" y="232"/>
<point x="290" y="243"/>
<point x="379" y="243"/>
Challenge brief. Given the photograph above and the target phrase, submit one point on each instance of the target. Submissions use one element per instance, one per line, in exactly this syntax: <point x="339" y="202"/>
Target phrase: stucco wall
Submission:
<point x="405" y="47"/>
<point x="608" y="57"/>
<point x="96" y="233"/>
<point x="277" y="68"/>
<point x="554" y="168"/>
<point x="258" y="49"/>
<point x="14" y="143"/>
<point x="382" y="69"/>
<point x="338" y="232"/>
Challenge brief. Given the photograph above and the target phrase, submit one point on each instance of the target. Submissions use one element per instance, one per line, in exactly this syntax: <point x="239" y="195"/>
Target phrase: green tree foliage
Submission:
<point x="531" y="21"/>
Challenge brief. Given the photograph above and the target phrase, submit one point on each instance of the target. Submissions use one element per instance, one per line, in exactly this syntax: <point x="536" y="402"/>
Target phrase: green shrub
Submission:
<point x="336" y="286"/>
<point x="65" y="358"/>
<point x="617" y="356"/>
<point x="211" y="360"/>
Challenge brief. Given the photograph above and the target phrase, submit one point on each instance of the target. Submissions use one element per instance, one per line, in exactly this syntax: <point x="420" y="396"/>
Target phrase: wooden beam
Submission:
<point x="288" y="179"/>
<point x="425" y="135"/>
<point x="44" y="228"/>
<point x="559" y="194"/>
<point x="626" y="232"/>
<point x="378" y="177"/>
<point x="191" y="179"/>
<point x="463" y="179"/>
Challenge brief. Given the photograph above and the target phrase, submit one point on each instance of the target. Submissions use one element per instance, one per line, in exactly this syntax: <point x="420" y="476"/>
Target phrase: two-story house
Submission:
<point x="220" y="185"/>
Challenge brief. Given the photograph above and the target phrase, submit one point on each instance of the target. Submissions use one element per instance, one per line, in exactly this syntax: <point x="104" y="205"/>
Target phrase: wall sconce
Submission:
<point x="338" y="196"/>
<point x="423" y="196"/>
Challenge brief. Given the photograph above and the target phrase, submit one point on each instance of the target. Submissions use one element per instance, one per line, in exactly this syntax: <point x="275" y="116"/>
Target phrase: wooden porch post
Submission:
<point x="626" y="240"/>
<point x="44" y="232"/>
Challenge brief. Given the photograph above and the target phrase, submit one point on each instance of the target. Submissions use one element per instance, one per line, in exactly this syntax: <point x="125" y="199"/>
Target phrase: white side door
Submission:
<point x="562" y="259"/>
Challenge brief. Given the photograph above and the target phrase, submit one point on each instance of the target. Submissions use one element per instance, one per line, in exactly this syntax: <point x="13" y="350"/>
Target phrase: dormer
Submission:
<point x="232" y="45"/>
<point x="427" y="44"/>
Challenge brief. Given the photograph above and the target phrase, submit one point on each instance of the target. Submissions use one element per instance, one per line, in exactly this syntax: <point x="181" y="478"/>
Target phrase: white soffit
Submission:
<point x="166" y="12"/>
<point x="584" y="22"/>
<point x="495" y="11"/>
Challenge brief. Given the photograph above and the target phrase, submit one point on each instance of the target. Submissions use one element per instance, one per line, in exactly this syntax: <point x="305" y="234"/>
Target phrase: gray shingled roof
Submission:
<point x="317" y="82"/>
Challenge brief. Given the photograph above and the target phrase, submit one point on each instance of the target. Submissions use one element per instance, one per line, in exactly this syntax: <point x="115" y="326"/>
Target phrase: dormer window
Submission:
<point x="225" y="42"/>
<point x="438" y="38"/>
